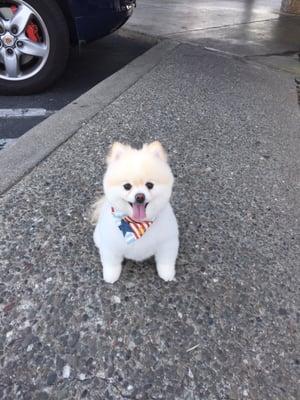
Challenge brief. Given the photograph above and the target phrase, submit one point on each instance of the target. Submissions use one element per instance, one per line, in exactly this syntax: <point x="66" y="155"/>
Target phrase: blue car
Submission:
<point x="36" y="35"/>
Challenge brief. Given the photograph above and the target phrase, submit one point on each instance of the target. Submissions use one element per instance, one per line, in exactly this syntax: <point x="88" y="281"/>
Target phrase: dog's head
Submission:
<point x="138" y="182"/>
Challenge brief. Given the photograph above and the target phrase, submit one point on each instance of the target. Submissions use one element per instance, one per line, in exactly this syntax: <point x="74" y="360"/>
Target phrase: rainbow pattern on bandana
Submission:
<point x="132" y="230"/>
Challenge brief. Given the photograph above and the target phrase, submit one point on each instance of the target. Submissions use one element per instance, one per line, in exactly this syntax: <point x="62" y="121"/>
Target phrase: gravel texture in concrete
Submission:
<point x="228" y="327"/>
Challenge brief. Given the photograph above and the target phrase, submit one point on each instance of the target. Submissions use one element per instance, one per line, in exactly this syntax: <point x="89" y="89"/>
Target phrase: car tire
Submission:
<point x="55" y="34"/>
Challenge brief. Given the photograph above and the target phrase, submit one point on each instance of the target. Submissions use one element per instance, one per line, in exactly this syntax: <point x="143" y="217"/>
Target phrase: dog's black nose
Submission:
<point x="140" y="198"/>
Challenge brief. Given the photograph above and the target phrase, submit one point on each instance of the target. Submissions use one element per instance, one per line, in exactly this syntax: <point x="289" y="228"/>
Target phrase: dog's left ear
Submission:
<point x="157" y="149"/>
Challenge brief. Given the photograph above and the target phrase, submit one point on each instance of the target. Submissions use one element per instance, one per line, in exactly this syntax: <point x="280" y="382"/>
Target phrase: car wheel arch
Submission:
<point x="64" y="5"/>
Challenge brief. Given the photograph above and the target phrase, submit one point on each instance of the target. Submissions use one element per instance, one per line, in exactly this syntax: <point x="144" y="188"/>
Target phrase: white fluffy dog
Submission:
<point x="134" y="219"/>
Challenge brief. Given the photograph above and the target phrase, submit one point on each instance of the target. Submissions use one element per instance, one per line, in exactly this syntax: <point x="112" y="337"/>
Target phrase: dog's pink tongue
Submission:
<point x="139" y="211"/>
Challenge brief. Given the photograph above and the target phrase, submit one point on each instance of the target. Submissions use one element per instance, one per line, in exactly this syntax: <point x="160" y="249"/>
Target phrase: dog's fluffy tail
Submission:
<point x="96" y="210"/>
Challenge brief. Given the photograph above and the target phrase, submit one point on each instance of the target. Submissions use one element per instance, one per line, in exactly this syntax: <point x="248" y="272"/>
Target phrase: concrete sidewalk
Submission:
<point x="227" y="328"/>
<point x="172" y="17"/>
<point x="245" y="28"/>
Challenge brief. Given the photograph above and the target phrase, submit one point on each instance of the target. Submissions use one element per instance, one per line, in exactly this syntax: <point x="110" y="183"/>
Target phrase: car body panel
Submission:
<point x="97" y="18"/>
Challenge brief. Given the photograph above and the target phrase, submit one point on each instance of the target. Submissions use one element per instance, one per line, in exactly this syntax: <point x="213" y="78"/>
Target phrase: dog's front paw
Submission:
<point x="166" y="272"/>
<point x="111" y="274"/>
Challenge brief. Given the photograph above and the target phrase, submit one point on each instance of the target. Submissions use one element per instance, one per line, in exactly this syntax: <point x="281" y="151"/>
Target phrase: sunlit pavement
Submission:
<point x="171" y="17"/>
<point x="245" y="28"/>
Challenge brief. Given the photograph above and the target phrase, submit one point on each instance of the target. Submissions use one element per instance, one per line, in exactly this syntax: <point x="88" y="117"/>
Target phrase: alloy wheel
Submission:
<point x="24" y="41"/>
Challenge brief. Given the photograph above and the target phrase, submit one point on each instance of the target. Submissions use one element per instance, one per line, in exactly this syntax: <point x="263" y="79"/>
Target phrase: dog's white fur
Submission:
<point x="137" y="167"/>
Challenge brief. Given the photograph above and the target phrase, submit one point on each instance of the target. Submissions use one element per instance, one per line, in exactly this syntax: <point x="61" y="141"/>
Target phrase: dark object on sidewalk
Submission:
<point x="290" y="7"/>
<point x="35" y="37"/>
<point x="297" y="80"/>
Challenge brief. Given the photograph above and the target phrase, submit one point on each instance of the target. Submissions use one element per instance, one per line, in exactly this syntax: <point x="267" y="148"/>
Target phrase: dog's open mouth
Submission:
<point x="139" y="210"/>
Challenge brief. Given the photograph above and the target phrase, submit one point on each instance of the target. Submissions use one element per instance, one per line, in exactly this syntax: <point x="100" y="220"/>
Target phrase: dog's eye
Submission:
<point x="149" y="185"/>
<point x="127" y="186"/>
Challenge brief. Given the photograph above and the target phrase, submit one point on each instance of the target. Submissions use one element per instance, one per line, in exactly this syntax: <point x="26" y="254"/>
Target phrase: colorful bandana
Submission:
<point x="132" y="230"/>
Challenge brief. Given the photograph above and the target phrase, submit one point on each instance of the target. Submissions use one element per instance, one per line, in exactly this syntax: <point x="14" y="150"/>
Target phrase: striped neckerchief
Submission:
<point x="132" y="230"/>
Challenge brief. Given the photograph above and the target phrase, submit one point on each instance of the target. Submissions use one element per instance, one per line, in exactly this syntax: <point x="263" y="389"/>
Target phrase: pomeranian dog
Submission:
<point x="134" y="219"/>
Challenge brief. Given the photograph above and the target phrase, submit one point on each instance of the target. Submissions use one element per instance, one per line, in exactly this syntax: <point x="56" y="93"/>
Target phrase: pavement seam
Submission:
<point x="170" y="35"/>
<point x="247" y="59"/>
<point x="282" y="53"/>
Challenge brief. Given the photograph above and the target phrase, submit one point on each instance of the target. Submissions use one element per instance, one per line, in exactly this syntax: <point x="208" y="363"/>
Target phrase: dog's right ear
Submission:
<point x="116" y="151"/>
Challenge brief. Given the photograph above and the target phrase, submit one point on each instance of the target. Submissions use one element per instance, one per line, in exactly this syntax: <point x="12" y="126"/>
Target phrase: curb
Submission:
<point x="40" y="141"/>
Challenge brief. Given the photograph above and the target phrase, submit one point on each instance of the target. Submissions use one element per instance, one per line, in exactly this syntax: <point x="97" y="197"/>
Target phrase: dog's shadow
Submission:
<point x="141" y="269"/>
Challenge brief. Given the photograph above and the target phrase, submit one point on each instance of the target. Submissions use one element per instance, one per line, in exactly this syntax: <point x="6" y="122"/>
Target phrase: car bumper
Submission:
<point x="95" y="18"/>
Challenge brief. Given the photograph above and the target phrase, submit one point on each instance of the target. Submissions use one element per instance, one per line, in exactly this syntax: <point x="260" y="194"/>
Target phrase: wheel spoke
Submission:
<point x="21" y="18"/>
<point x="2" y="55"/>
<point x="5" y="17"/>
<point x="4" y="23"/>
<point x="11" y="64"/>
<point x="33" y="48"/>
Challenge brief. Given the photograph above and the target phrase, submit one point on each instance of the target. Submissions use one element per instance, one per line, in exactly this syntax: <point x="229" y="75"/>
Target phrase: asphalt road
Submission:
<point x="94" y="63"/>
